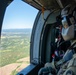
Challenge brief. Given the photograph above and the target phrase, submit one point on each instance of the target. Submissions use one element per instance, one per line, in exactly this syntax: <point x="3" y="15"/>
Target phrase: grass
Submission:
<point x="8" y="57"/>
<point x="13" y="48"/>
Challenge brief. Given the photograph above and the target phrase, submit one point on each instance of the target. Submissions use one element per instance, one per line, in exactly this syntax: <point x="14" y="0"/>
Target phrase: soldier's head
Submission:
<point x="68" y="23"/>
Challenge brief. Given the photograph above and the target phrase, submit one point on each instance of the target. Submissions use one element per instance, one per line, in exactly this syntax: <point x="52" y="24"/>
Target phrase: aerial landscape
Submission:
<point x="14" y="50"/>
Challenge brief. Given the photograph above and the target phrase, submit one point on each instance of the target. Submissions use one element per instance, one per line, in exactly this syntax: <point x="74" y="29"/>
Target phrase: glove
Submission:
<point x="43" y="70"/>
<point x="46" y="70"/>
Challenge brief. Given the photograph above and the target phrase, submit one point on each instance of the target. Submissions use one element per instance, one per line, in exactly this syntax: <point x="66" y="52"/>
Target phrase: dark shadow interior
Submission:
<point x="52" y="40"/>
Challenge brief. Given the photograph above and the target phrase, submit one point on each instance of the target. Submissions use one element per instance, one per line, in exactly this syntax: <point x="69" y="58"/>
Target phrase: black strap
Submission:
<point x="71" y="47"/>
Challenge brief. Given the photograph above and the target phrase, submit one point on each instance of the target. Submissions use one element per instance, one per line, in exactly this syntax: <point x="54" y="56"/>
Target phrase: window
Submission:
<point x="15" y="37"/>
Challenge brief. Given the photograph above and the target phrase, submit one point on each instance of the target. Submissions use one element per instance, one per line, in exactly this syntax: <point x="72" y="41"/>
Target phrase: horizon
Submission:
<point x="16" y="30"/>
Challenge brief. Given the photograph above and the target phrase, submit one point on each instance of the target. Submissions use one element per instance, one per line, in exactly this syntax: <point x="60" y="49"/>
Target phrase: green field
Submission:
<point x="15" y="45"/>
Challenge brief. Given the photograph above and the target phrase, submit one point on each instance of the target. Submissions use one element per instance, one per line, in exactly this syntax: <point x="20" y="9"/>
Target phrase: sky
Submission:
<point x="19" y="15"/>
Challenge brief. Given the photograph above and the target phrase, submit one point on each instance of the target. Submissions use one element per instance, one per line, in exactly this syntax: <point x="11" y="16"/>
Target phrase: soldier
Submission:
<point x="67" y="65"/>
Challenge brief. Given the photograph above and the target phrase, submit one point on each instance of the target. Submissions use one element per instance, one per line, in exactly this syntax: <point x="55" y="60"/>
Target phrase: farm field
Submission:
<point x="15" y="45"/>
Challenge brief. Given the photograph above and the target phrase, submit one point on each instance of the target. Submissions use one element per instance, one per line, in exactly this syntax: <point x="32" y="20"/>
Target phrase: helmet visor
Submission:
<point x="65" y="23"/>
